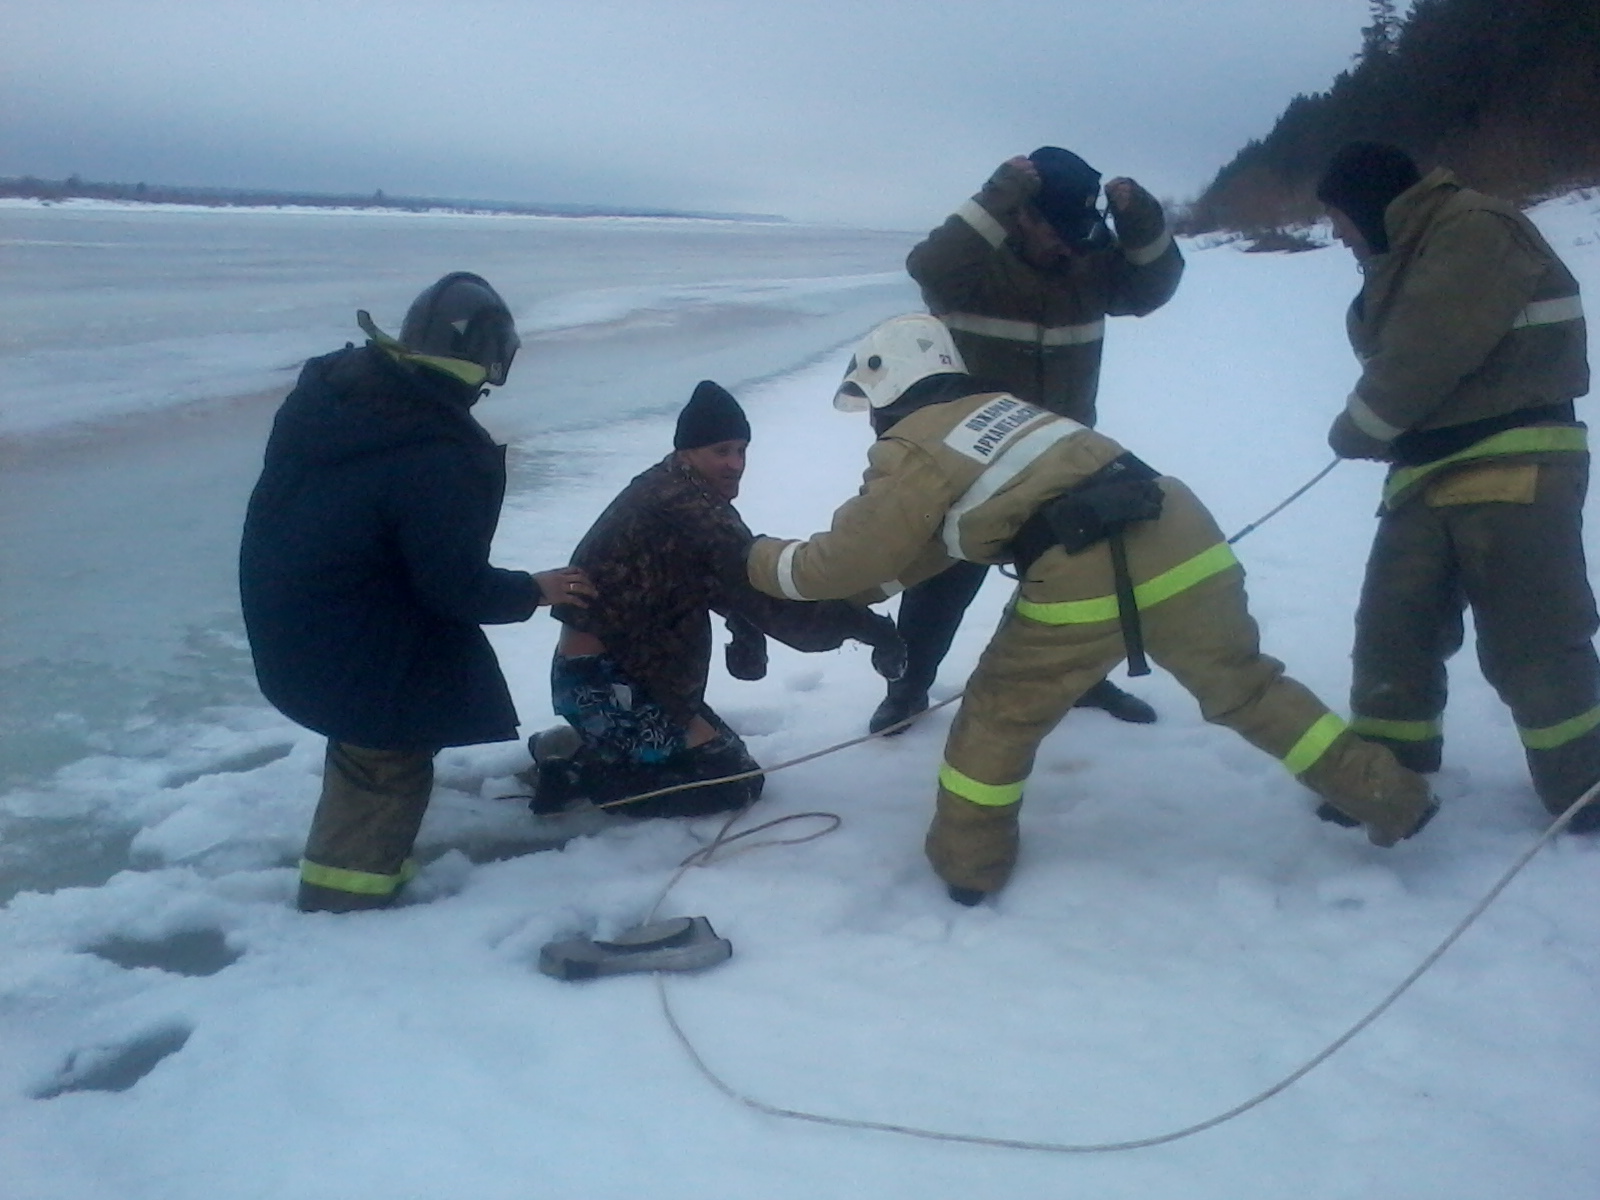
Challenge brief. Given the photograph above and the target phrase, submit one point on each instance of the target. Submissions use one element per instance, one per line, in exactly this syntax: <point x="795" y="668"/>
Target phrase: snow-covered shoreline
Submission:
<point x="1181" y="931"/>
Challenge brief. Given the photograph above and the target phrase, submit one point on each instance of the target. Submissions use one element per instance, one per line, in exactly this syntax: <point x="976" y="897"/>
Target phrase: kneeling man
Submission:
<point x="630" y="670"/>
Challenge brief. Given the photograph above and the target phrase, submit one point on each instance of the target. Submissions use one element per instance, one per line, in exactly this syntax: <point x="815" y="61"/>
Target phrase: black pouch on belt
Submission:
<point x="1098" y="510"/>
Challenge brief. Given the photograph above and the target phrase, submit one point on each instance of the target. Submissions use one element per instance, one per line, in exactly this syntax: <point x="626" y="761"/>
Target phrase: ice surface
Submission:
<point x="1180" y="934"/>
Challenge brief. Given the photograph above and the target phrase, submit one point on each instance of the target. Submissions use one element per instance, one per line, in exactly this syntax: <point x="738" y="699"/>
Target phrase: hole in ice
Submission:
<point x="117" y="1067"/>
<point x="188" y="952"/>
<point x="237" y="764"/>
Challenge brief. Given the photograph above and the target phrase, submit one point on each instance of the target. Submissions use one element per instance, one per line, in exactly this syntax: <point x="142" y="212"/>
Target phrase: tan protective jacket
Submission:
<point x="1470" y="315"/>
<point x="957" y="480"/>
<point x="1038" y="332"/>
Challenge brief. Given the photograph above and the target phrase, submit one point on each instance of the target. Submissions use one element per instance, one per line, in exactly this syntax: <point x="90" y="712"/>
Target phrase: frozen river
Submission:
<point x="143" y="352"/>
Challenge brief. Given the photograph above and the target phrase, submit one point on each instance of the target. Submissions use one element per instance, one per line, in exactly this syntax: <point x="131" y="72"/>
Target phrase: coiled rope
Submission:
<point x="793" y="1114"/>
<point x="711" y="852"/>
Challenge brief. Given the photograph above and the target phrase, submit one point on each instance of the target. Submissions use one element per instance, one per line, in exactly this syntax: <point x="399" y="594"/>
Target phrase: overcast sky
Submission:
<point x="879" y="112"/>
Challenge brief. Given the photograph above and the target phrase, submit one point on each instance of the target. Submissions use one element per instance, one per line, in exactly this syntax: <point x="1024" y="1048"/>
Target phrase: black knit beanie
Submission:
<point x="1067" y="186"/>
<point x="711" y="416"/>
<point x="1361" y="181"/>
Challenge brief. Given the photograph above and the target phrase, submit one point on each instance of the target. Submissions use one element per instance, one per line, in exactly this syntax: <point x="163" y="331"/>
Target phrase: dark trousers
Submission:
<point x="1519" y="565"/>
<point x="930" y="614"/>
<point x="358" y="852"/>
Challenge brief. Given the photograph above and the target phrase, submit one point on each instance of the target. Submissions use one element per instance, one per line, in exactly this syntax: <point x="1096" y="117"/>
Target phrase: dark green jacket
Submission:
<point x="1037" y="333"/>
<point x="1469" y="320"/>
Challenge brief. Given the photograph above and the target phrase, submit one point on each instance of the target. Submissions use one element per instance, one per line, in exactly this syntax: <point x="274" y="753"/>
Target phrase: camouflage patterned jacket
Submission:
<point x="664" y="555"/>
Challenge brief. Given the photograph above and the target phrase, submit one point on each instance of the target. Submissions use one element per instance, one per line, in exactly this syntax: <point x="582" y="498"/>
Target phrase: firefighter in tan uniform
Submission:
<point x="1472" y="341"/>
<point x="963" y="473"/>
<point x="1024" y="275"/>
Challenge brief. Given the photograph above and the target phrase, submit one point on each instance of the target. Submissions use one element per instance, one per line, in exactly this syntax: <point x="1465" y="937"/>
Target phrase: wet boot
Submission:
<point x="1124" y="706"/>
<point x="553" y="778"/>
<point x="902" y="702"/>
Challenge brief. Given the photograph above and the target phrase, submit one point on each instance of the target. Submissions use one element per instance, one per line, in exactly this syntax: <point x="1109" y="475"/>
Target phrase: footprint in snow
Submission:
<point x="116" y="1066"/>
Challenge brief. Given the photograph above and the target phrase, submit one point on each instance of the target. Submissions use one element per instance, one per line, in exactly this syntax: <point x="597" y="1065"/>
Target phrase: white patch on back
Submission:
<point x="992" y="428"/>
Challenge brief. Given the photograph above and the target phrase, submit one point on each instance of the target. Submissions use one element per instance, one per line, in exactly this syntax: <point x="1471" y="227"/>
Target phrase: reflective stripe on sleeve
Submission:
<point x="982" y="222"/>
<point x="1026" y="331"/>
<point x="1015" y="459"/>
<point x="1397" y="731"/>
<point x="1369" y="422"/>
<point x="1550" y="312"/>
<point x="1146" y="595"/>
<point x="1314" y="743"/>
<point x="1145" y="255"/>
<point x="360" y="883"/>
<point x="989" y="795"/>
<point x="1552" y="737"/>
<point x="1528" y="439"/>
<point x="785" y="572"/>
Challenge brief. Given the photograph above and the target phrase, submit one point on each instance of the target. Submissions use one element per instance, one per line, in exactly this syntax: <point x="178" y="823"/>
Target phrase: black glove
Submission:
<point x="746" y="651"/>
<point x="1347" y="440"/>
<point x="1139" y="220"/>
<point x="888" y="648"/>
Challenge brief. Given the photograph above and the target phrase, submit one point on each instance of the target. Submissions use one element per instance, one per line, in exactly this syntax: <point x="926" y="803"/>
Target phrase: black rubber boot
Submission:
<point x="1334" y="816"/>
<point x="969" y="897"/>
<point x="1124" y="706"/>
<point x="901" y="704"/>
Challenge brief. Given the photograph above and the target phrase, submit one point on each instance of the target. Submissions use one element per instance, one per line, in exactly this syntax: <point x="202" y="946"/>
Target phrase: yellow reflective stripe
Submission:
<point x="990" y="795"/>
<point x="1530" y="439"/>
<point x="361" y="883"/>
<point x="1397" y="731"/>
<point x="1314" y="743"/>
<point x="1146" y="595"/>
<point x="1552" y="736"/>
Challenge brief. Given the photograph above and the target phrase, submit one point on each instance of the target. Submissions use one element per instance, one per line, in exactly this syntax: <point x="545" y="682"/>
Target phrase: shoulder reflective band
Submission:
<point x="1015" y="459"/>
<point x="1314" y="743"/>
<point x="1145" y="595"/>
<point x="1552" y="737"/>
<point x="1145" y="255"/>
<point x="1397" y="731"/>
<point x="989" y="795"/>
<point x="1025" y="331"/>
<point x="1530" y="439"/>
<point x="361" y="883"/>
<point x="982" y="222"/>
<point x="1550" y="312"/>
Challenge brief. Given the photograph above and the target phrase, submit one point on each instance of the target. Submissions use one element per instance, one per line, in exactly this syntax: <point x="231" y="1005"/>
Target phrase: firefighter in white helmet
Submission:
<point x="963" y="473"/>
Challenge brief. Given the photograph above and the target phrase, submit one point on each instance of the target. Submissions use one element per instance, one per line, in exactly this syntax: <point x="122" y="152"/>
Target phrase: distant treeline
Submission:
<point x="74" y="188"/>
<point x="1504" y="92"/>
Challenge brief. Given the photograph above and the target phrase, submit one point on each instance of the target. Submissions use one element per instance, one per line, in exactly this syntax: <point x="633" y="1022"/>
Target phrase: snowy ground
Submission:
<point x="1180" y="934"/>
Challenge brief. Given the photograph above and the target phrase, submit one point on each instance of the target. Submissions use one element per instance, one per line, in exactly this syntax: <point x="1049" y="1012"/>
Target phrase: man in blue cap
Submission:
<point x="1024" y="275"/>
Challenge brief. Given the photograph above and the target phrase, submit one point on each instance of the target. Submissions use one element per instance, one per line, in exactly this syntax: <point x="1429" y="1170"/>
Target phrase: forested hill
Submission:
<point x="1504" y="92"/>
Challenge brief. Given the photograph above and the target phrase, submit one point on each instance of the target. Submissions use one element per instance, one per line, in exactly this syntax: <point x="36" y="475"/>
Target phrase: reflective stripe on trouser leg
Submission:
<point x="367" y="819"/>
<point x="1408" y="622"/>
<point x="1208" y="640"/>
<point x="1524" y="574"/>
<point x="1026" y="680"/>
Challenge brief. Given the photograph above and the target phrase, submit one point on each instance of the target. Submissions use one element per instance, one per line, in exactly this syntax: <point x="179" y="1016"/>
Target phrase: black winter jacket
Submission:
<point x="364" y="569"/>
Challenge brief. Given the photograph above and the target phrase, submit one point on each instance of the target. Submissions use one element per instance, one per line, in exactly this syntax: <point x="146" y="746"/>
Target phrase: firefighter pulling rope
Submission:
<point x="709" y="853"/>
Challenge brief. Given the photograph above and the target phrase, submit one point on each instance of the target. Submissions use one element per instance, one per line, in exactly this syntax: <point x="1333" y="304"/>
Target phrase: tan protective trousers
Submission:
<point x="1031" y="673"/>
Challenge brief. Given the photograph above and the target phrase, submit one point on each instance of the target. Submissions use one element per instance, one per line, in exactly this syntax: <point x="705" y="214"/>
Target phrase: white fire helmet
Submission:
<point x="894" y="356"/>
